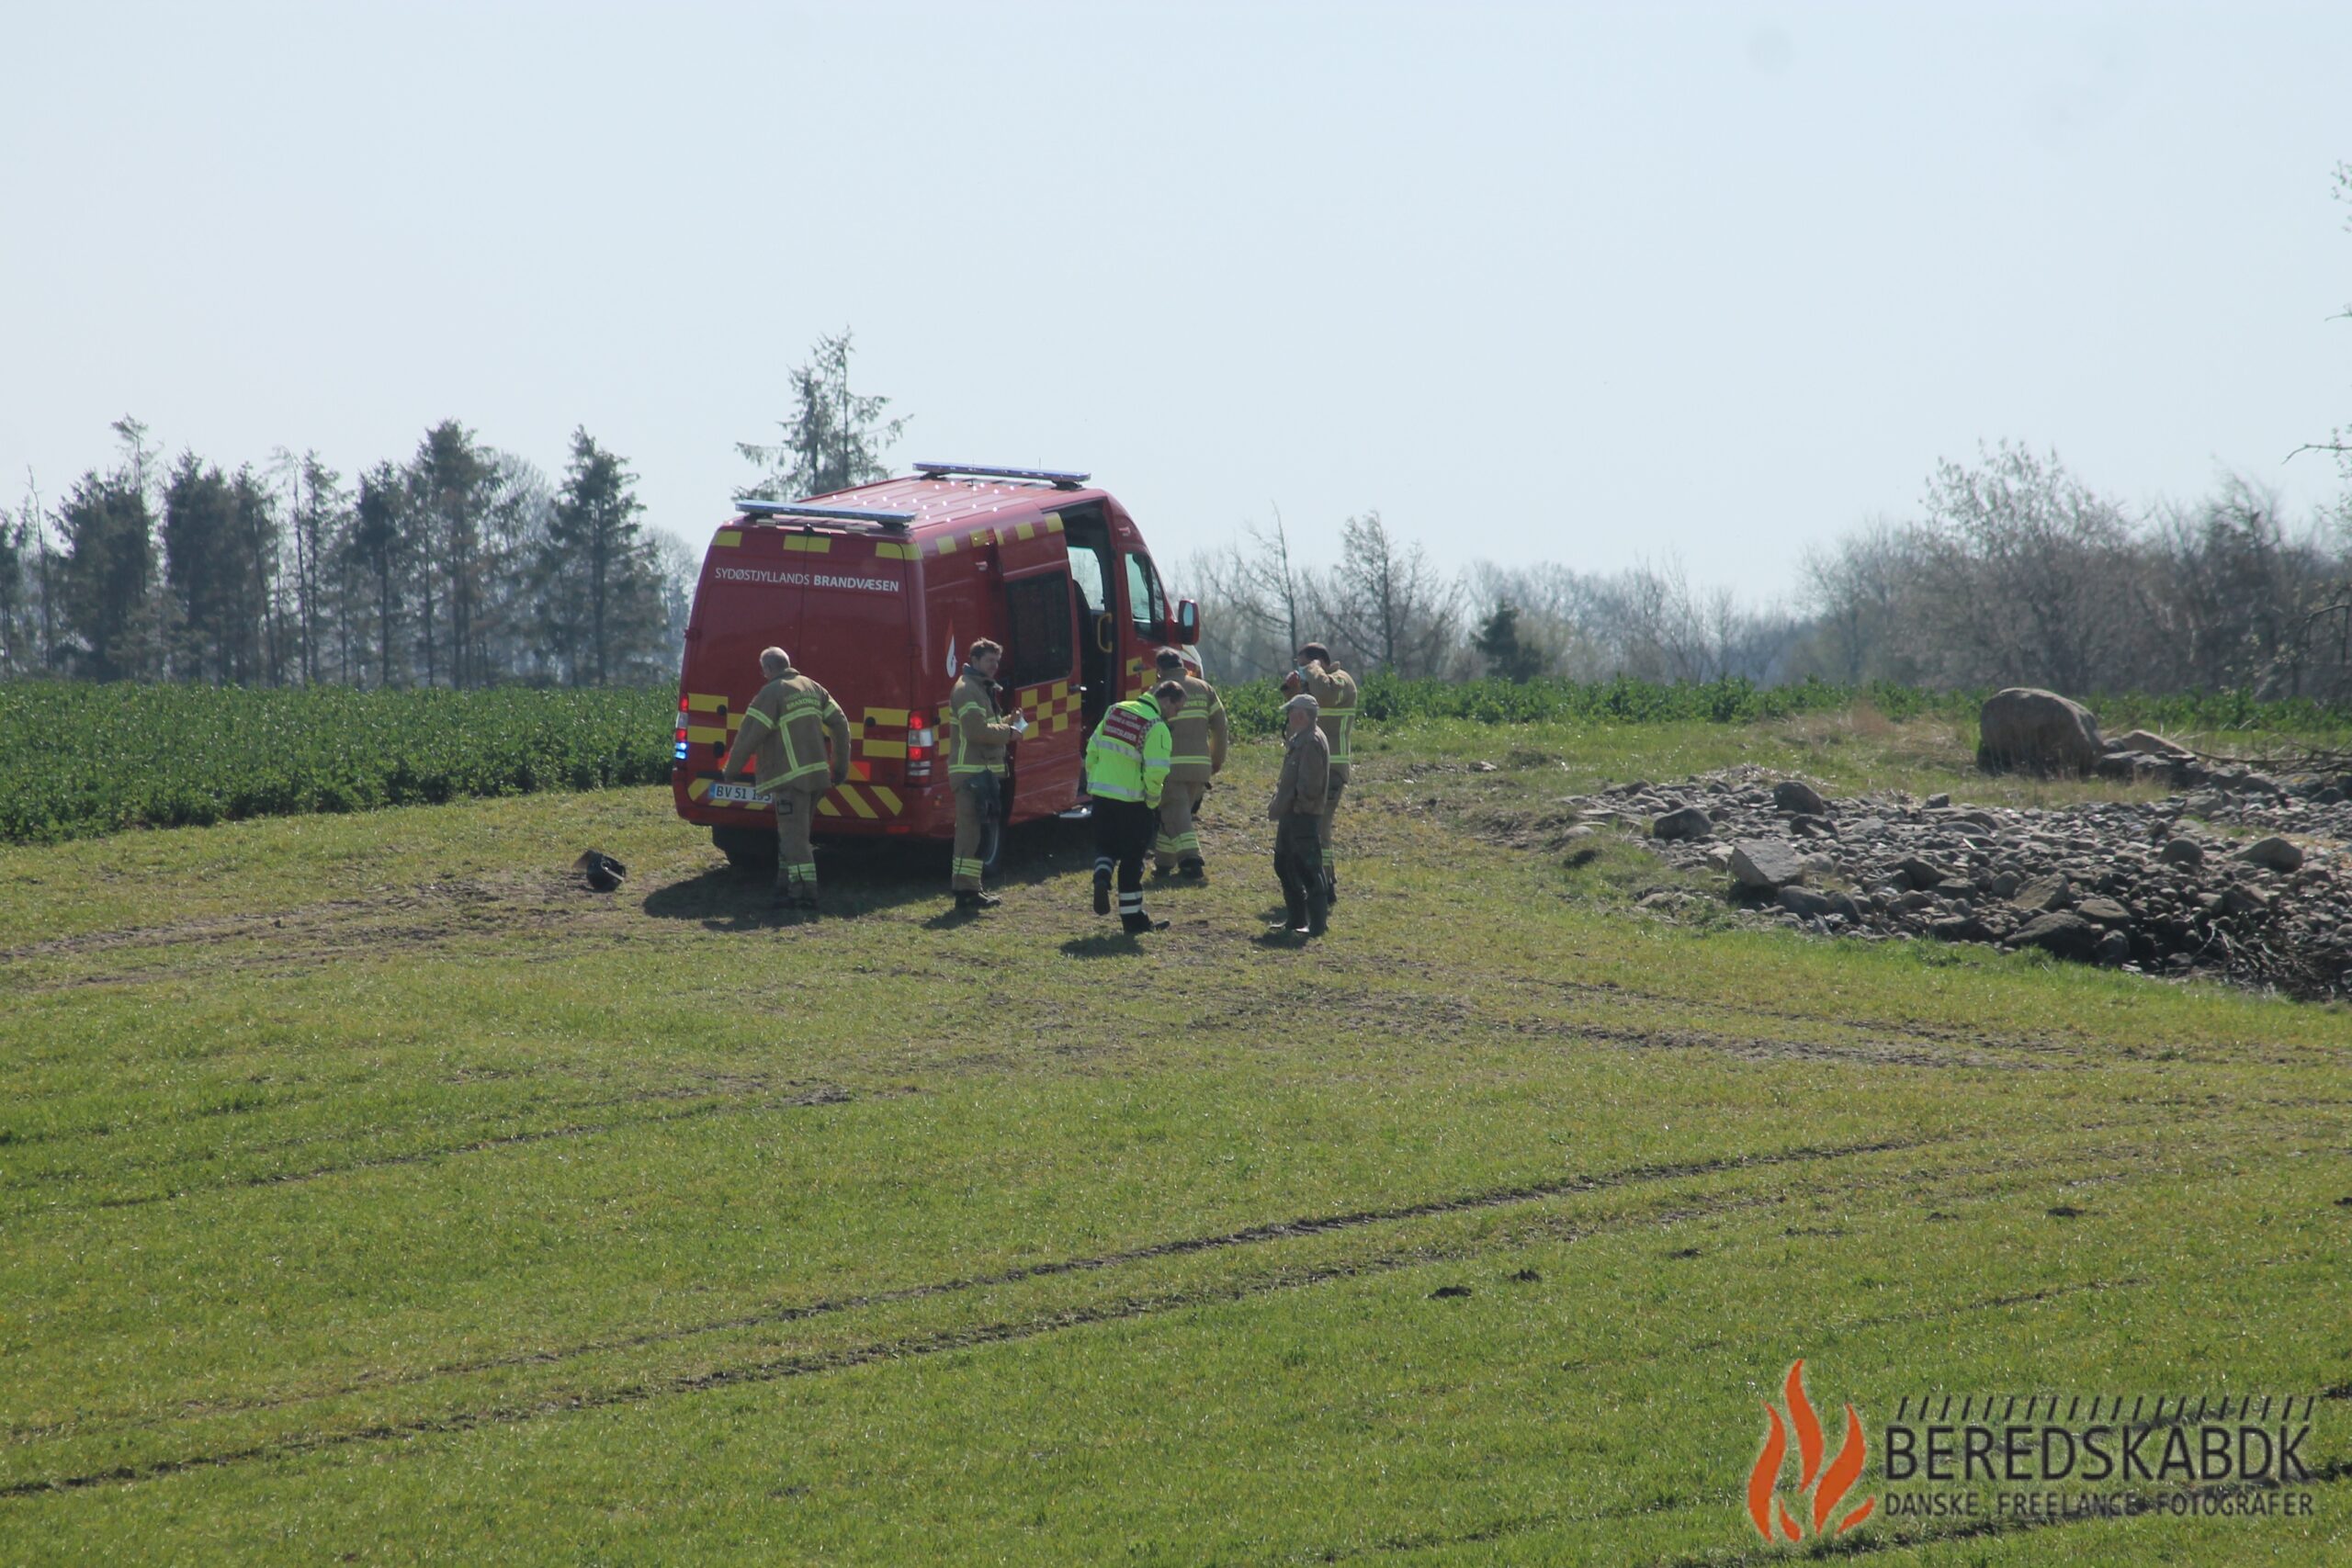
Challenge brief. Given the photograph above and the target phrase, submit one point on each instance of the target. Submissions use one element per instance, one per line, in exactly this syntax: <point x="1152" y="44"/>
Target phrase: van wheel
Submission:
<point x="746" y="849"/>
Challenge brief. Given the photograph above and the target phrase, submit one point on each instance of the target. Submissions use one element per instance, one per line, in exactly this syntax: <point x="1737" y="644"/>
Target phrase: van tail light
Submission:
<point x="680" y="754"/>
<point x="922" y="743"/>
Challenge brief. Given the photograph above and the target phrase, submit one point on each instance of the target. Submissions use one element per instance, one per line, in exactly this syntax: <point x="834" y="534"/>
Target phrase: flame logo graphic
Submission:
<point x="1829" y="1484"/>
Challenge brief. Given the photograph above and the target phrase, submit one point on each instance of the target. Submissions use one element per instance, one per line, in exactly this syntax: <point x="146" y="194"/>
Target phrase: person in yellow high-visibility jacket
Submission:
<point x="1127" y="772"/>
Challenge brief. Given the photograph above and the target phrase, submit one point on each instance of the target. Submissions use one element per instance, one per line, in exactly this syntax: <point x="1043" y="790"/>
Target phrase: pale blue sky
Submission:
<point x="1572" y="282"/>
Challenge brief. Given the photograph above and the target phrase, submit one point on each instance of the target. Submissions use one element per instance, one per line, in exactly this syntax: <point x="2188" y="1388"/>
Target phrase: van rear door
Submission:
<point x="837" y="601"/>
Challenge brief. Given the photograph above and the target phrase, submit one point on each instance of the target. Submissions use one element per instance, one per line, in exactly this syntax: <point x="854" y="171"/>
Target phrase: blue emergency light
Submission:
<point x="874" y="514"/>
<point x="1060" y="479"/>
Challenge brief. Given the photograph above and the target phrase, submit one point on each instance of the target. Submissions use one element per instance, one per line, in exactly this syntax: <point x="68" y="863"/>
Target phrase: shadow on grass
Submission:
<point x="861" y="876"/>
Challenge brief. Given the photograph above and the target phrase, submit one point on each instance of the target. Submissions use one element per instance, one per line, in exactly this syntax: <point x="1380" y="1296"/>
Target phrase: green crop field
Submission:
<point x="77" y="758"/>
<point x="372" y="1193"/>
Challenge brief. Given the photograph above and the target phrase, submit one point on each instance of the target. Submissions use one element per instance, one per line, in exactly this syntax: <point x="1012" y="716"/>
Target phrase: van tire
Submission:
<point x="747" y="849"/>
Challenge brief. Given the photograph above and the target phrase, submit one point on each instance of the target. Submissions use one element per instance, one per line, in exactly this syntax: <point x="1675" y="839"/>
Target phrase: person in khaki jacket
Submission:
<point x="1334" y="690"/>
<point x="976" y="767"/>
<point x="1199" y="735"/>
<point x="797" y="737"/>
<point x="1301" y="797"/>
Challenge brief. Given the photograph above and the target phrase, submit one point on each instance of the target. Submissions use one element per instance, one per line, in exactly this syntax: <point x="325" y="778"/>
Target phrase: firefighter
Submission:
<point x="1126" y="774"/>
<point x="1199" y="738"/>
<point x="1302" y="797"/>
<point x="1334" y="690"/>
<point x="976" y="767"/>
<point x="798" y="738"/>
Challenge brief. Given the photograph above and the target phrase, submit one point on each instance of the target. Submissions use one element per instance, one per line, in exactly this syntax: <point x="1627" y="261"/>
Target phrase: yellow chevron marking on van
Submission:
<point x="705" y="702"/>
<point x="696" y="734"/>
<point x="889" y="799"/>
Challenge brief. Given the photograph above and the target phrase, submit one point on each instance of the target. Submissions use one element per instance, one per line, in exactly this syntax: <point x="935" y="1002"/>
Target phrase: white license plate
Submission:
<point x="744" y="793"/>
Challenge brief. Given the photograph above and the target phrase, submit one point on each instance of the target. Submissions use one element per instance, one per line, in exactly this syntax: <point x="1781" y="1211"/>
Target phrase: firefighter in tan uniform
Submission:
<point x="1301" y="796"/>
<point x="976" y="767"/>
<point x="797" y="737"/>
<point x="1199" y="735"/>
<point x="1334" y="690"/>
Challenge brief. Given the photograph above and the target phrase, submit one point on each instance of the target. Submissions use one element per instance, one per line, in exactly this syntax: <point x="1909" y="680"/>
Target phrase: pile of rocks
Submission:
<point x="2159" y="887"/>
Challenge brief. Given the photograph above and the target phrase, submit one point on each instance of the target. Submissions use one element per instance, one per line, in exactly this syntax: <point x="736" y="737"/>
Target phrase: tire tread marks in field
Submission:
<point x="806" y="1363"/>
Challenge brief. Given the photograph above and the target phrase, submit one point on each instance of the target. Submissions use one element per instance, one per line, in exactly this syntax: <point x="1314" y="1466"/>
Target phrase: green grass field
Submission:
<point x="372" y="1193"/>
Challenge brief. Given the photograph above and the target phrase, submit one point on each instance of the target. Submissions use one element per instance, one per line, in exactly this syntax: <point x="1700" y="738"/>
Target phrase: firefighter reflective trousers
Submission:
<point x="1123" y="834"/>
<point x="1323" y="824"/>
<point x="796" y="863"/>
<point x="977" y="795"/>
<point x="1178" y="842"/>
<point x="1298" y="862"/>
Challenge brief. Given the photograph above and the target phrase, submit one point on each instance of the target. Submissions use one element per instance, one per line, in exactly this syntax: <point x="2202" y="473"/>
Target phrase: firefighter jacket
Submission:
<point x="1334" y="690"/>
<point x="981" y="735"/>
<point x="785" y="731"/>
<point x="1127" y="757"/>
<point x="1198" y="734"/>
<point x="1306" y="777"/>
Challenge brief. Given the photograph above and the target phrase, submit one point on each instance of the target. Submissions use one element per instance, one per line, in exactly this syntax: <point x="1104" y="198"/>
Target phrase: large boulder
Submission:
<point x="2040" y="731"/>
<point x="2067" y="935"/>
<point x="1684" y="822"/>
<point x="2147" y="742"/>
<point x="1764" y="865"/>
<point x="1800" y="798"/>
<point x="2279" y="854"/>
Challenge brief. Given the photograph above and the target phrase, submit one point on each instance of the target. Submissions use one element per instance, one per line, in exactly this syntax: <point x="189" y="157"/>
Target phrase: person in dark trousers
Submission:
<point x="1127" y="772"/>
<point x="1302" y="795"/>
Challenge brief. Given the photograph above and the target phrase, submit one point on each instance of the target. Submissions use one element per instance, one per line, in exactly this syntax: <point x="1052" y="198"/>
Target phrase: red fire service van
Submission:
<point x="876" y="592"/>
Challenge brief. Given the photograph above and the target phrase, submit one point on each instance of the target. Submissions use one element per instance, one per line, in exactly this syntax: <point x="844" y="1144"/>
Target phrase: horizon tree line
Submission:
<point x="460" y="566"/>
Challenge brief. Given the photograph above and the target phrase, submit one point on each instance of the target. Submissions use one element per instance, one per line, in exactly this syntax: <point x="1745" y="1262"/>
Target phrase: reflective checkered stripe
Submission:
<point x="961" y="870"/>
<point x="981" y="538"/>
<point x="1186" y="844"/>
<point x="1130" y="903"/>
<point x="801" y="877"/>
<point x="1056" y="708"/>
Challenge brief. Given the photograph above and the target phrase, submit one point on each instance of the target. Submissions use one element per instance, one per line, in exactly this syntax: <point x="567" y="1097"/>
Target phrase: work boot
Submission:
<point x="1331" y="885"/>
<point x="1134" y="925"/>
<point x="1192" y="871"/>
<point x="807" y="904"/>
<point x="971" y="899"/>
<point x="1318" y="912"/>
<point x="1102" y="892"/>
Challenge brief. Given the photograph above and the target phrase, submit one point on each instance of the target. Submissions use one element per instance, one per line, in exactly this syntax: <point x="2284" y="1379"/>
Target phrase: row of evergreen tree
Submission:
<point x="462" y="566"/>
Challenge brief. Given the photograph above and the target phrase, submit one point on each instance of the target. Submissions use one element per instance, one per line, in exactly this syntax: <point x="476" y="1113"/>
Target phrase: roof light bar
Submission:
<point x="873" y="514"/>
<point x="1060" y="479"/>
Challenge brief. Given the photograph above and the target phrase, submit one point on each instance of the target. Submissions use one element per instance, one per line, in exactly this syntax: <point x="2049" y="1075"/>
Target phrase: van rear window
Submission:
<point x="1042" y="647"/>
